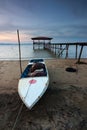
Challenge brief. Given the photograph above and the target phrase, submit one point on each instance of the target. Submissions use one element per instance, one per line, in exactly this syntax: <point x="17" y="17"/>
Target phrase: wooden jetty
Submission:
<point x="58" y="48"/>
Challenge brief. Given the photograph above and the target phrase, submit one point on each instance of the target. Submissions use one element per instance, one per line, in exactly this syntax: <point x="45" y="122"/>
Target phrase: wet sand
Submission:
<point x="63" y="106"/>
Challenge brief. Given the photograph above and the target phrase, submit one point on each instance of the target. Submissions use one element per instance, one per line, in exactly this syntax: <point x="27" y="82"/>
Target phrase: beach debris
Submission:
<point x="71" y="69"/>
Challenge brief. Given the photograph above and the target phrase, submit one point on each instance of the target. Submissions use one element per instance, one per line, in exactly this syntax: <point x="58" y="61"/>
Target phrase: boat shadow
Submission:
<point x="55" y="103"/>
<point x="13" y="102"/>
<point x="10" y="104"/>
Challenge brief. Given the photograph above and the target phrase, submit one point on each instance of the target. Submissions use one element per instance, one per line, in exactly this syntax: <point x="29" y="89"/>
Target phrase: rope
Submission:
<point x="28" y="88"/>
<point x="21" y="108"/>
<point x="17" y="116"/>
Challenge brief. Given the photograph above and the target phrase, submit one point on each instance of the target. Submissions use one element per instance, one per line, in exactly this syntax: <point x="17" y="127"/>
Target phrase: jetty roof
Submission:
<point x="41" y="38"/>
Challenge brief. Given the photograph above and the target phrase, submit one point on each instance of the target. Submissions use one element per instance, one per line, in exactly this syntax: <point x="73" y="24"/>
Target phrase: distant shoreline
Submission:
<point x="15" y="44"/>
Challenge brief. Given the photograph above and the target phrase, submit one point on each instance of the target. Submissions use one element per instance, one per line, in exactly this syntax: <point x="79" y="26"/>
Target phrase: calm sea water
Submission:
<point x="11" y="52"/>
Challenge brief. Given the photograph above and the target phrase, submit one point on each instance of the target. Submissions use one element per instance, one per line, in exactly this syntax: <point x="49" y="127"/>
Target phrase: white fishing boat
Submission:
<point x="34" y="82"/>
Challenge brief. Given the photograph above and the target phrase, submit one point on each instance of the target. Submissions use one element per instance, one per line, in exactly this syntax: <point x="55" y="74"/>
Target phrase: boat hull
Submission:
<point x="31" y="89"/>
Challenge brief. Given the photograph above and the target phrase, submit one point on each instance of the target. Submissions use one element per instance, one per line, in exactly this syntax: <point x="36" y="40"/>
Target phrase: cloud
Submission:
<point x="77" y="8"/>
<point x="58" y="18"/>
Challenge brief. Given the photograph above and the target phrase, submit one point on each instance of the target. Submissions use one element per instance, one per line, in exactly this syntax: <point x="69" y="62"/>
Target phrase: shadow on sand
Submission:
<point x="57" y="109"/>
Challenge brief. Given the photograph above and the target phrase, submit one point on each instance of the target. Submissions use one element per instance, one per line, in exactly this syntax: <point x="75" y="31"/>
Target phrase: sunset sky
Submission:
<point x="63" y="20"/>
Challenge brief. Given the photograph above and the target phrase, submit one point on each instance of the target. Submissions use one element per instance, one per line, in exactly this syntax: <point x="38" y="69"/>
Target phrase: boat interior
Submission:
<point x="37" y="72"/>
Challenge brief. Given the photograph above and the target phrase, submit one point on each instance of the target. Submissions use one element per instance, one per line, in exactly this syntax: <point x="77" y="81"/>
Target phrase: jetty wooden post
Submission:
<point x="55" y="49"/>
<point x="80" y="54"/>
<point x="19" y="51"/>
<point x="67" y="47"/>
<point x="58" y="51"/>
<point x="76" y="51"/>
<point x="33" y="45"/>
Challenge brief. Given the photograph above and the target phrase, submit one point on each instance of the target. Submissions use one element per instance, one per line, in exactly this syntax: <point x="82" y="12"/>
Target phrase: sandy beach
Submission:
<point x="63" y="106"/>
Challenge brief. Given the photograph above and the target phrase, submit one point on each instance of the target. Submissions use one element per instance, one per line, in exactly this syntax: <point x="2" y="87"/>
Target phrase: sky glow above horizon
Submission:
<point x="63" y="20"/>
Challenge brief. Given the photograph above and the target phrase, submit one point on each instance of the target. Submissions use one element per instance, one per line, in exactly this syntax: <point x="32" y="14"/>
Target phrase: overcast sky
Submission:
<point x="63" y="20"/>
